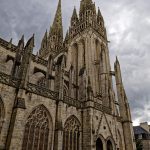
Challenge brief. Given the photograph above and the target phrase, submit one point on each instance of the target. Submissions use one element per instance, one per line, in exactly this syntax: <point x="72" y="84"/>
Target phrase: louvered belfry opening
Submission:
<point x="71" y="135"/>
<point x="36" y="134"/>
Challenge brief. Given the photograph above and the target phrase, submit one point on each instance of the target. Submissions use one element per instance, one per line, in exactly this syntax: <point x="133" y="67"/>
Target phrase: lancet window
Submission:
<point x="71" y="135"/>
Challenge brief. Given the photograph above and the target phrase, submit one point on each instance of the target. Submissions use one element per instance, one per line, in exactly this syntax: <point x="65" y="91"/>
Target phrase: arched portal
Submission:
<point x="99" y="144"/>
<point x="38" y="130"/>
<point x="1" y="114"/>
<point x="71" y="135"/>
<point x="109" y="145"/>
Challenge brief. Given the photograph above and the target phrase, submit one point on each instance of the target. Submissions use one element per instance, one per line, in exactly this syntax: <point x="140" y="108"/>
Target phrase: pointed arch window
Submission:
<point x="99" y="144"/>
<point x="71" y="135"/>
<point x="37" y="130"/>
<point x="109" y="145"/>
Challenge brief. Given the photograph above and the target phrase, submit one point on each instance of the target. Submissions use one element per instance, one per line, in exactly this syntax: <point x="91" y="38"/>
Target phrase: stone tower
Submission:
<point x="63" y="98"/>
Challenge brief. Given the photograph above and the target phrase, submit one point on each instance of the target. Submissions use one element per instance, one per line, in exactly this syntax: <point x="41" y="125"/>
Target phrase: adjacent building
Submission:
<point x="142" y="135"/>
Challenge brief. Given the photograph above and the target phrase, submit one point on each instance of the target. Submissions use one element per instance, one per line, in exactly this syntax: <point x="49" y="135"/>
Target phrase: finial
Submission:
<point x="22" y="38"/>
<point x="30" y="42"/>
<point x="10" y="40"/>
<point x="74" y="15"/>
<point x="45" y="35"/>
<point x="116" y="58"/>
<point x="10" y="43"/>
<point x="117" y="61"/>
<point x="67" y="35"/>
<point x="99" y="12"/>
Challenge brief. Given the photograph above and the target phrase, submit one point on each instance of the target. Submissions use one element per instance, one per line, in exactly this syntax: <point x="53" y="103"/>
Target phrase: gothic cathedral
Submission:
<point x="64" y="98"/>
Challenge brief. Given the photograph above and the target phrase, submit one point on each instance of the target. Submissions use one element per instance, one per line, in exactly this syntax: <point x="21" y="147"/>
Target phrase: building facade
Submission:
<point x="142" y="136"/>
<point x="63" y="98"/>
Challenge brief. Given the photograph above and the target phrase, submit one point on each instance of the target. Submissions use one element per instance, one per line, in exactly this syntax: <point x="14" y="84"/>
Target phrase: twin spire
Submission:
<point x="58" y="17"/>
<point x="53" y="42"/>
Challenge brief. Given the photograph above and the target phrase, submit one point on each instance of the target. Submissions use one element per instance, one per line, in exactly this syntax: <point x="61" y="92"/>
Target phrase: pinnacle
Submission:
<point x="117" y="61"/>
<point x="74" y="15"/>
<point x="30" y="42"/>
<point x="99" y="12"/>
<point x="21" y="41"/>
<point x="67" y="35"/>
<point x="45" y="35"/>
<point x="10" y="40"/>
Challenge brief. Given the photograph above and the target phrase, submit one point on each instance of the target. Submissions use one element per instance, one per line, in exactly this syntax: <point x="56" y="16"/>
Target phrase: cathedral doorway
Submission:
<point x="38" y="130"/>
<point x="99" y="144"/>
<point x="109" y="145"/>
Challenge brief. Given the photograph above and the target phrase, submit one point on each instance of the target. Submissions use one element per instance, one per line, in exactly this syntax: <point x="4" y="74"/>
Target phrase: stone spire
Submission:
<point x="57" y="23"/>
<point x="55" y="39"/>
<point x="44" y="49"/>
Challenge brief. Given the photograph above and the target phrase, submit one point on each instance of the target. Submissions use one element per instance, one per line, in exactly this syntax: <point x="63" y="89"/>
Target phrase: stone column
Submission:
<point x="87" y="127"/>
<point x="49" y="72"/>
<point x="15" y="132"/>
<point x="58" y="133"/>
<point x="58" y="136"/>
<point x="80" y="55"/>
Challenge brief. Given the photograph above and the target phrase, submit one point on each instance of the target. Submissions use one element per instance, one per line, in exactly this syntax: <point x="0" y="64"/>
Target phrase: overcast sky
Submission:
<point x="128" y="28"/>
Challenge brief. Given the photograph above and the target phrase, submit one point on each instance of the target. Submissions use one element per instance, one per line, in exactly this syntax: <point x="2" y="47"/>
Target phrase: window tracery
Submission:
<point x="37" y="130"/>
<point x="71" y="135"/>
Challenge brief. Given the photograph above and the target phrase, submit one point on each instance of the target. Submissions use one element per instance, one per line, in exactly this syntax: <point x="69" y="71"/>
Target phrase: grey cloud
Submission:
<point x="128" y="27"/>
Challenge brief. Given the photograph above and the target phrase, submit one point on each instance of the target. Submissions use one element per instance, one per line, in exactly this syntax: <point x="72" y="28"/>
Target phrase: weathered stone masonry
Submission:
<point x="63" y="97"/>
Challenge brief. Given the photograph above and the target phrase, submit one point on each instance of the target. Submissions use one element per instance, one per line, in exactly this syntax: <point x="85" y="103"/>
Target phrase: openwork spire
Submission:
<point x="57" y="24"/>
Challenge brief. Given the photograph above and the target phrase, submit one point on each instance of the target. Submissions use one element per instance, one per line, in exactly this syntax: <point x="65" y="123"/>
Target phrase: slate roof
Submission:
<point x="140" y="130"/>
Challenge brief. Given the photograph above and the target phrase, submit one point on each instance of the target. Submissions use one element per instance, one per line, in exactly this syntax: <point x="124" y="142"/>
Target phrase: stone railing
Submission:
<point x="82" y="26"/>
<point x="107" y="110"/>
<point x="101" y="107"/>
<point x="5" y="44"/>
<point x="6" y="79"/>
<point x="39" y="60"/>
<point x="72" y="102"/>
<point x="33" y="88"/>
<point x="36" y="89"/>
<point x="98" y="106"/>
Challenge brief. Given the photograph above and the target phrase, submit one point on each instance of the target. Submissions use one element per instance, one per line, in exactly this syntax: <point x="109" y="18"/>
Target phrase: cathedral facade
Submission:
<point x="64" y="97"/>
